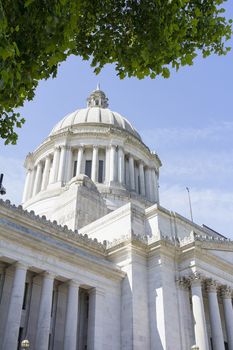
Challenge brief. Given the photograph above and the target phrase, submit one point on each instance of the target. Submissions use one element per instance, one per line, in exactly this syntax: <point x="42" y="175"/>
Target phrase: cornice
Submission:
<point x="48" y="254"/>
<point x="150" y="246"/>
<point x="199" y="257"/>
<point x="194" y="246"/>
<point x="18" y="213"/>
<point x="93" y="129"/>
<point x="130" y="238"/>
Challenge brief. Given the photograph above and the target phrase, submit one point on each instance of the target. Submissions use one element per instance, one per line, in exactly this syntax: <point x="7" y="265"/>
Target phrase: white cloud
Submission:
<point x="200" y="158"/>
<point x="216" y="167"/>
<point x="215" y="132"/>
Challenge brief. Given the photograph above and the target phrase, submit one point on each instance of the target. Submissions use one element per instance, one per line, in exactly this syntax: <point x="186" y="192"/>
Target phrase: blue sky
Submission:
<point x="187" y="119"/>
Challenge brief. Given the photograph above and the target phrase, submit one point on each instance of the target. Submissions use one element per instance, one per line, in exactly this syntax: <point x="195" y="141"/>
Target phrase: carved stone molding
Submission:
<point x="60" y="230"/>
<point x="211" y="286"/>
<point x="226" y="292"/>
<point x="196" y="279"/>
<point x="183" y="283"/>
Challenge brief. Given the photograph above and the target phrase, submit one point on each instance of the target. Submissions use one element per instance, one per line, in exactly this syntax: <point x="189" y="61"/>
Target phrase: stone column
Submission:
<point x="215" y="319"/>
<point x="112" y="165"/>
<point x="95" y="320"/>
<point x="37" y="184"/>
<point x="15" y="308"/>
<point x="45" y="178"/>
<point x="32" y="182"/>
<point x="79" y="161"/>
<point x="185" y="313"/>
<point x="199" y="313"/>
<point x="148" y="184"/>
<point x="70" y="336"/>
<point x="69" y="162"/>
<point x="131" y="173"/>
<point x="95" y="165"/>
<point x="121" y="166"/>
<point x="228" y="314"/>
<point x="142" y="179"/>
<point x="54" y="170"/>
<point x="154" y="185"/>
<point x="107" y="164"/>
<point x="44" y="317"/>
<point x="62" y="164"/>
<point x="27" y="185"/>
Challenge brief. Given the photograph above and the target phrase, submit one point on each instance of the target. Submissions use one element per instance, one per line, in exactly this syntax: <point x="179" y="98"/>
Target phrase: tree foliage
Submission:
<point x="142" y="37"/>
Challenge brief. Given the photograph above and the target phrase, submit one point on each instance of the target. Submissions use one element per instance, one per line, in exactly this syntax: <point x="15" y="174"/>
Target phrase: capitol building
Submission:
<point x="92" y="261"/>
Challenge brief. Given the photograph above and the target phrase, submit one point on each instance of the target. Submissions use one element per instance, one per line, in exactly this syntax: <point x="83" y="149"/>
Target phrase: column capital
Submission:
<point x="97" y="291"/>
<point x="226" y="292"/>
<point x="48" y="275"/>
<point x="211" y="285"/>
<point x="29" y="168"/>
<point x="20" y="265"/>
<point x="63" y="146"/>
<point x="155" y="170"/>
<point x="39" y="163"/>
<point x="49" y="156"/>
<point x="73" y="283"/>
<point x="183" y="283"/>
<point x="196" y="279"/>
<point x="95" y="146"/>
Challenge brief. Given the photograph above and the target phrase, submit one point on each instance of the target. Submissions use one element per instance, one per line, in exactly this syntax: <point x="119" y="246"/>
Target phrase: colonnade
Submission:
<point x="66" y="162"/>
<point x="196" y="283"/>
<point x="12" y="323"/>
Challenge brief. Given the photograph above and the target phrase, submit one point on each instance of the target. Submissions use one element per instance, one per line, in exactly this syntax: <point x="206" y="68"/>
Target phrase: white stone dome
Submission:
<point x="92" y="143"/>
<point x="96" y="112"/>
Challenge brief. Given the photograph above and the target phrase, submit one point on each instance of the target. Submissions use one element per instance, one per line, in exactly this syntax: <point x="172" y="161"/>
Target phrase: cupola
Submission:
<point x="103" y="146"/>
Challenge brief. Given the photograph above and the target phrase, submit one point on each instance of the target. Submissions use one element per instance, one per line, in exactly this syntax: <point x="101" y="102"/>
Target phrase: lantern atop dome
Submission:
<point x="97" y="99"/>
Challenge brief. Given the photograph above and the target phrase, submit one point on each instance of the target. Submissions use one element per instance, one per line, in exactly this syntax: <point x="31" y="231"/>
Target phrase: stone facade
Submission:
<point x="101" y="265"/>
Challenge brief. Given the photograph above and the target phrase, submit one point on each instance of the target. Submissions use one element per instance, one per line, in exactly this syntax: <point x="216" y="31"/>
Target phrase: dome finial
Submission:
<point x="97" y="98"/>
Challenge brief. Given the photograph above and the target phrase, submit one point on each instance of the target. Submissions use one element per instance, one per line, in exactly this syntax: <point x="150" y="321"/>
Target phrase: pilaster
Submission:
<point x="200" y="330"/>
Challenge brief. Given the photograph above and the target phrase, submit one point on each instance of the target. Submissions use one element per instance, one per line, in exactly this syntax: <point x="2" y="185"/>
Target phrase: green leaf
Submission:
<point x="144" y="38"/>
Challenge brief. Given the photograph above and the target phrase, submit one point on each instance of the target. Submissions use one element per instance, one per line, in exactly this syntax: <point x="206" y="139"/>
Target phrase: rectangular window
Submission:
<point x="139" y="188"/>
<point x="101" y="171"/>
<point x="53" y="298"/>
<point x="88" y="168"/>
<point x="25" y="296"/>
<point x="75" y="168"/>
